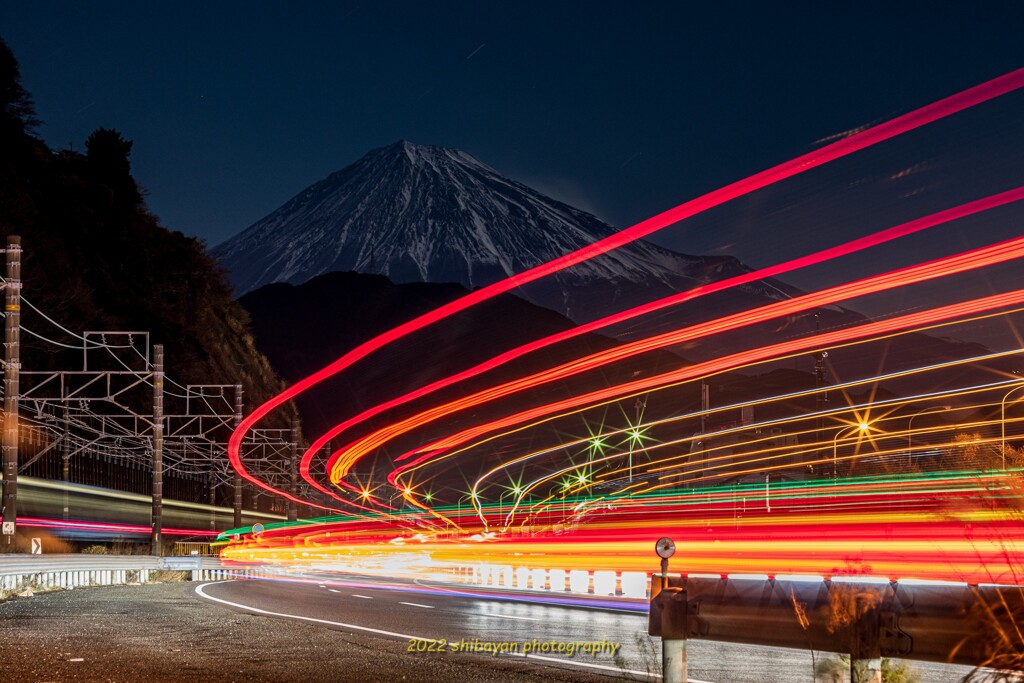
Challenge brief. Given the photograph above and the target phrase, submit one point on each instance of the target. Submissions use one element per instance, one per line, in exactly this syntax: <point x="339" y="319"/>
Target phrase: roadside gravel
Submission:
<point x="163" y="632"/>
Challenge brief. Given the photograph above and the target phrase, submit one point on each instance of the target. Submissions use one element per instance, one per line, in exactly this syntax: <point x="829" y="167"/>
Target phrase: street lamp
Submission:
<point x="469" y="496"/>
<point x="910" y="422"/>
<point x="1002" y="422"/>
<point x="515" y="491"/>
<point x="863" y="427"/>
<point x="391" y="505"/>
<point x="566" y="485"/>
<point x="635" y="435"/>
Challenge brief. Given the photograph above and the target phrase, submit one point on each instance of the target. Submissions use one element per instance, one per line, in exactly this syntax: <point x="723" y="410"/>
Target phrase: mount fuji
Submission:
<point x="417" y="213"/>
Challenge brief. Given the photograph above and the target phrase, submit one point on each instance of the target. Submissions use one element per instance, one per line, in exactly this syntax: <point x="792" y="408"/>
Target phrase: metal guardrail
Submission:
<point x="956" y="623"/>
<point x="73" y="571"/>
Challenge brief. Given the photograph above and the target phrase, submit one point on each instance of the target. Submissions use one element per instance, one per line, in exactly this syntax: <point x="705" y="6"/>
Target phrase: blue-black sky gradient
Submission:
<point x="623" y="109"/>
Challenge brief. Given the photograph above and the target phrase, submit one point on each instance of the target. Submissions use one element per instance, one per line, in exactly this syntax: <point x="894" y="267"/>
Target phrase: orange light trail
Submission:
<point x="909" y="321"/>
<point x="861" y="140"/>
<point x="342" y="461"/>
<point x="912" y="528"/>
<point x="732" y="407"/>
<point x="847" y="248"/>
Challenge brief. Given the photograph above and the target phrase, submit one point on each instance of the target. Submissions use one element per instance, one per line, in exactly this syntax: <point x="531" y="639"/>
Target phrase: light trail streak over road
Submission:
<point x="343" y="460"/>
<point x="930" y="525"/>
<point x="906" y="322"/>
<point x="898" y="527"/>
<point x="823" y="256"/>
<point x="785" y="451"/>
<point x="838" y="149"/>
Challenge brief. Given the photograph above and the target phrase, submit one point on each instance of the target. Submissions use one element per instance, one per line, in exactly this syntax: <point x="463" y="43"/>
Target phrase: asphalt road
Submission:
<point x="160" y="633"/>
<point x="457" y="623"/>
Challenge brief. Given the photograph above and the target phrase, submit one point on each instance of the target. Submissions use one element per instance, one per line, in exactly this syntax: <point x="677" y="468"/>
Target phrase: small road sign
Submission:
<point x="37" y="546"/>
<point x="8" y="529"/>
<point x="183" y="563"/>
<point x="257" y="529"/>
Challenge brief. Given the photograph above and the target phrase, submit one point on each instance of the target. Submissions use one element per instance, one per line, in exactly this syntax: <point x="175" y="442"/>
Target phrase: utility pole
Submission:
<point x="238" y="477"/>
<point x="156" y="544"/>
<point x="293" y="508"/>
<point x="213" y="498"/>
<point x="12" y="366"/>
<point x="66" y="461"/>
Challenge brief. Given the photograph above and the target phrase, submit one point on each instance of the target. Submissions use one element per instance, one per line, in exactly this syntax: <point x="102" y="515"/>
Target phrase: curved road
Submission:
<point x="445" y="620"/>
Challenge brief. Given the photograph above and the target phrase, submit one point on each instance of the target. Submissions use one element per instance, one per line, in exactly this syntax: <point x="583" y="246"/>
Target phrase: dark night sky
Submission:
<point x="624" y="109"/>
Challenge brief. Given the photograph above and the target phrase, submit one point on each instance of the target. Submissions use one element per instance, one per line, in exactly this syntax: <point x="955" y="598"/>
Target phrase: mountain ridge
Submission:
<point x="417" y="213"/>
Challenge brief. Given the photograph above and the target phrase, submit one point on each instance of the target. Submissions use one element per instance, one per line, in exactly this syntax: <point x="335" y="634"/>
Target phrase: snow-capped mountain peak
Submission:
<point x="432" y="214"/>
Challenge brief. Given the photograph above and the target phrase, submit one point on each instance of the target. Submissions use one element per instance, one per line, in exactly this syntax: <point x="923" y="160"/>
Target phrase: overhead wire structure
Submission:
<point x="98" y="415"/>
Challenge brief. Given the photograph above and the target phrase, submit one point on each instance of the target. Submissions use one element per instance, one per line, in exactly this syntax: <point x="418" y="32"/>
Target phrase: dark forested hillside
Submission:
<point x="94" y="257"/>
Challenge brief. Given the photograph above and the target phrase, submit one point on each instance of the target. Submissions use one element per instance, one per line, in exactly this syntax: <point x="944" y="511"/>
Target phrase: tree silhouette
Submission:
<point x="107" y="155"/>
<point x="18" y="112"/>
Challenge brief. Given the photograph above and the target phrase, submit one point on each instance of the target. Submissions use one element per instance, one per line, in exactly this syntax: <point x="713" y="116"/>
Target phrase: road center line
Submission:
<point x="257" y="610"/>
<point x="415" y="604"/>
<point x="364" y="597"/>
<point x="502" y="616"/>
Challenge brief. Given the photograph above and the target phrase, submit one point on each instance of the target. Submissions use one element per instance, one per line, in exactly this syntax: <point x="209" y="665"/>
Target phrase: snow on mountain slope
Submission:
<point x="431" y="214"/>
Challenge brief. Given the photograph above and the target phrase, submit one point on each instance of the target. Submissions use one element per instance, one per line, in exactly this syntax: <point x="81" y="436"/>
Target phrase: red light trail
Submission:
<point x="853" y="246"/>
<point x="907" y="322"/>
<point x="905" y="527"/>
<point x="836" y="150"/>
<point x="342" y="461"/>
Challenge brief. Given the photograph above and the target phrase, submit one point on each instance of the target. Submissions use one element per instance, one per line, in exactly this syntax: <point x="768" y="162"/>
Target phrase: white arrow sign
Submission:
<point x="37" y="546"/>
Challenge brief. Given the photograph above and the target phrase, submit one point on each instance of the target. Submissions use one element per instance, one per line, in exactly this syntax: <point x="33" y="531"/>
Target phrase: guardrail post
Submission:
<point x="668" y="618"/>
<point x="674" y="660"/>
<point x="866" y="650"/>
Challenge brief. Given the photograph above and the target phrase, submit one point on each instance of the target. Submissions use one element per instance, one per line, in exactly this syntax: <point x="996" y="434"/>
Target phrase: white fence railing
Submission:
<point x="18" y="572"/>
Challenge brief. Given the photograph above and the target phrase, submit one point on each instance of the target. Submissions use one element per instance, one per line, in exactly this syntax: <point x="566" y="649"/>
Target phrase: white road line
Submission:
<point x="364" y="597"/>
<point x="333" y="590"/>
<point x="502" y="616"/>
<point x="403" y="636"/>
<point x="415" y="604"/>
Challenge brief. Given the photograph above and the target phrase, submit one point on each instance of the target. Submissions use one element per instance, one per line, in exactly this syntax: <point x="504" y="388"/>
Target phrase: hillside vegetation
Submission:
<point x="95" y="258"/>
